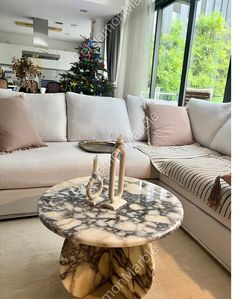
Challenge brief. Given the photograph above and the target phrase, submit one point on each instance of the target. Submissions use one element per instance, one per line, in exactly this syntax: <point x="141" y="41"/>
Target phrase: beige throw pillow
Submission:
<point x="16" y="128"/>
<point x="168" y="125"/>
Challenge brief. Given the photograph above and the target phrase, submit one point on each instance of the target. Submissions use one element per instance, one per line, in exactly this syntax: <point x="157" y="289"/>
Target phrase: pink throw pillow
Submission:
<point x="168" y="125"/>
<point x="16" y="128"/>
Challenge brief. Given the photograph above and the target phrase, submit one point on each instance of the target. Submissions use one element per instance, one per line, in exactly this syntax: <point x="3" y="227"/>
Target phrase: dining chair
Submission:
<point x="201" y="94"/>
<point x="53" y="87"/>
<point x="3" y="83"/>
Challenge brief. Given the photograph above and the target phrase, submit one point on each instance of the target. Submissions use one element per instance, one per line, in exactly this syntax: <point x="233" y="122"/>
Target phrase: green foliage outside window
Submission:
<point x="170" y="59"/>
<point x="210" y="56"/>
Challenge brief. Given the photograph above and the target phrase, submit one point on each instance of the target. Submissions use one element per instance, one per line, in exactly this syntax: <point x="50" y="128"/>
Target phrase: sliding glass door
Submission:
<point x="171" y="28"/>
<point x="211" y="48"/>
<point x="173" y="21"/>
<point x="191" y="49"/>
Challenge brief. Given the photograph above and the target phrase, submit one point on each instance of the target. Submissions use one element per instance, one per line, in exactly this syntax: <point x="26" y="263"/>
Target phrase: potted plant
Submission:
<point x="26" y="71"/>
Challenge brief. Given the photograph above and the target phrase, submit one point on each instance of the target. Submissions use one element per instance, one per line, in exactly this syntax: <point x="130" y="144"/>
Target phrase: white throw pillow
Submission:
<point x="96" y="118"/>
<point x="222" y="140"/>
<point x="207" y="119"/>
<point x="48" y="113"/>
<point x="136" y="114"/>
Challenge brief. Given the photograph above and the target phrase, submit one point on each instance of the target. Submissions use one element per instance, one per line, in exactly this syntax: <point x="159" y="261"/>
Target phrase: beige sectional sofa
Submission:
<point x="64" y="119"/>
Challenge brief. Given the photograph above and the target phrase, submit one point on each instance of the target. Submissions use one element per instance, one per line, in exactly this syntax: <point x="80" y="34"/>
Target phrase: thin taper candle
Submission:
<point x="95" y="164"/>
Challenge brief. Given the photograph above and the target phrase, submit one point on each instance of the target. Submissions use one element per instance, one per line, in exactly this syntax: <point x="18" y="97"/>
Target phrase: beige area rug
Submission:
<point x="29" y="266"/>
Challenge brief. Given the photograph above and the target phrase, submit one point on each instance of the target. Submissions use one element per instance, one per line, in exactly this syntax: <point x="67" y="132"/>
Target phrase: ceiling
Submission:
<point x="66" y="11"/>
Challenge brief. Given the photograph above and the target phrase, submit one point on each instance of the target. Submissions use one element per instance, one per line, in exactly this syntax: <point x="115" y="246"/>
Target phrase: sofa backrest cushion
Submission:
<point x="135" y="107"/>
<point x="222" y="140"/>
<point x="48" y="113"/>
<point x="207" y="119"/>
<point x="4" y="93"/>
<point x="96" y="118"/>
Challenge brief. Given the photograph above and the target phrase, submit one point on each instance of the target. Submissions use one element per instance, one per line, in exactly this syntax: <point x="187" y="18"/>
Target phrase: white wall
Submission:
<point x="8" y="51"/>
<point x="11" y="45"/>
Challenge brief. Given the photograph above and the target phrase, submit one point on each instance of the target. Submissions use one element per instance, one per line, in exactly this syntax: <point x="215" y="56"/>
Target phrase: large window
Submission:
<point x="171" y="51"/>
<point x="211" y="48"/>
<point x="200" y="61"/>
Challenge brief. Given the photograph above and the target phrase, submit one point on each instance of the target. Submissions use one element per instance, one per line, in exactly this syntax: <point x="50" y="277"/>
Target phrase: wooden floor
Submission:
<point x="29" y="266"/>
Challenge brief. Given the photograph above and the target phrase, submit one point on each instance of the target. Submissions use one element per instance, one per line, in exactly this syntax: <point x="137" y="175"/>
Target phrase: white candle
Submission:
<point x="95" y="164"/>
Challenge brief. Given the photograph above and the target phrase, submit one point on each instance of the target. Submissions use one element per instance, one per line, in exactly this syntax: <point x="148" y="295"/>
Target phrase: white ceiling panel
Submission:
<point x="66" y="11"/>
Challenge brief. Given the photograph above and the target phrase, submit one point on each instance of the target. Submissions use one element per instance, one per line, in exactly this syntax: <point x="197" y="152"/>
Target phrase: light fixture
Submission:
<point x="40" y="33"/>
<point x="30" y="25"/>
<point x="83" y="10"/>
<point x="40" y="55"/>
<point x="40" y="39"/>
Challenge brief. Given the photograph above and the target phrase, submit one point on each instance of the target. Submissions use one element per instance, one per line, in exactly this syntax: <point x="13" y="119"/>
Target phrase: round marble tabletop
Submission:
<point x="151" y="213"/>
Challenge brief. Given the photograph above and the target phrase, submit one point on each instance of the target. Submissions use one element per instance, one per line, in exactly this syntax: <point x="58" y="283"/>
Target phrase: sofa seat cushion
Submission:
<point x="61" y="161"/>
<point x="195" y="169"/>
<point x="222" y="214"/>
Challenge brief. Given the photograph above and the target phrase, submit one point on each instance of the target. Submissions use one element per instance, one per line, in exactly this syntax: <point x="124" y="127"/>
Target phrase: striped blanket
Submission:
<point x="195" y="168"/>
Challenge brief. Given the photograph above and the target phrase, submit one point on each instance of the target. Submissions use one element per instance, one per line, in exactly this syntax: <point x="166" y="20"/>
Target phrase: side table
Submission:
<point x="103" y="245"/>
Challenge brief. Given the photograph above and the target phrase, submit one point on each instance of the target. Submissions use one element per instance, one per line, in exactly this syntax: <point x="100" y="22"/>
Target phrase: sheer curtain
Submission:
<point x="136" y="37"/>
<point x="112" y="50"/>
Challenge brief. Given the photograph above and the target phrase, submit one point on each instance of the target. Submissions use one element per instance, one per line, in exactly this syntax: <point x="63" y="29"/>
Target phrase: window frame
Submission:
<point x="160" y="5"/>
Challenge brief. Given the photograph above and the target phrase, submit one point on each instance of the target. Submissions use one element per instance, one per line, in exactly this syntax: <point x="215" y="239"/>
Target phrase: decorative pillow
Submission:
<point x="207" y="119"/>
<point x="96" y="118"/>
<point x="168" y="125"/>
<point x="222" y="140"/>
<point x="16" y="128"/>
<point x="135" y="106"/>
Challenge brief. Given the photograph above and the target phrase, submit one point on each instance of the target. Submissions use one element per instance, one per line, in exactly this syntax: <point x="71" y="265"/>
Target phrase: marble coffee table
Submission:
<point x="103" y="245"/>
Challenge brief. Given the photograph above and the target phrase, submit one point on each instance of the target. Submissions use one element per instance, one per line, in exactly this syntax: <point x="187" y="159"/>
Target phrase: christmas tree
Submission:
<point x="87" y="75"/>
